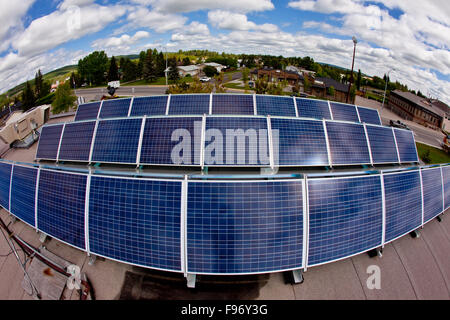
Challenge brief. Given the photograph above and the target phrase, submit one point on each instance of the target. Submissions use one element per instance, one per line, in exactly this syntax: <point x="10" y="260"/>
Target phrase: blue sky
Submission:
<point x="411" y="37"/>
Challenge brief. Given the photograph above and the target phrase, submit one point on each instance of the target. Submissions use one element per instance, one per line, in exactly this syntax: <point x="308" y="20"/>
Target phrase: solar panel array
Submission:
<point x="223" y="227"/>
<point x="226" y="141"/>
<point x="227" y="104"/>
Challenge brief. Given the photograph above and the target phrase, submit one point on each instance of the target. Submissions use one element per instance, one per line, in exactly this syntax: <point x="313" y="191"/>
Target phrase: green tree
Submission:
<point x="160" y="65"/>
<point x="38" y="84"/>
<point x="210" y="71"/>
<point x="149" y="70"/>
<point x="129" y="70"/>
<point x="140" y="69"/>
<point x="186" y="61"/>
<point x="245" y="74"/>
<point x="64" y="99"/>
<point x="331" y="91"/>
<point x="173" y="71"/>
<point x="113" y="73"/>
<point x="93" y="67"/>
<point x="261" y="85"/>
<point x="28" y="98"/>
<point x="358" y="80"/>
<point x="306" y="84"/>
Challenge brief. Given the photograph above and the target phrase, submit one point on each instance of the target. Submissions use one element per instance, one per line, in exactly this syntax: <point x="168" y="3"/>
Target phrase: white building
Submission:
<point x="192" y="70"/>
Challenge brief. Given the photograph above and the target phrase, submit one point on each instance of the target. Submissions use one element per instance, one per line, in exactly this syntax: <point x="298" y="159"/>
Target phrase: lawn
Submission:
<point x="436" y="156"/>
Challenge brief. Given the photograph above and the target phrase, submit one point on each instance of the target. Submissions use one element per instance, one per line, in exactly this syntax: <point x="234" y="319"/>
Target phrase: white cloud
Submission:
<point x="178" y="6"/>
<point x="123" y="43"/>
<point x="159" y="22"/>
<point x="10" y="17"/>
<point x="236" y="21"/>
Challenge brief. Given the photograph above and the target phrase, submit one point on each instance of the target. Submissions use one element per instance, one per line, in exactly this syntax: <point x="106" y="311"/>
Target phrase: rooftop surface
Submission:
<point x="410" y="268"/>
<point x="419" y="101"/>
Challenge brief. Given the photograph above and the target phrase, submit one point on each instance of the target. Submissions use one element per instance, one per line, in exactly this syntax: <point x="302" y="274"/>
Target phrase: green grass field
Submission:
<point x="435" y="155"/>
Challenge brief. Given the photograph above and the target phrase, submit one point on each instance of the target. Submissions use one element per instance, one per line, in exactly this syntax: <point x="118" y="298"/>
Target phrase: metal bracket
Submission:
<point x="92" y="260"/>
<point x="415" y="233"/>
<point x="42" y="237"/>
<point x="268" y="171"/>
<point x="377" y="252"/>
<point x="297" y="276"/>
<point x="191" y="279"/>
<point x="438" y="218"/>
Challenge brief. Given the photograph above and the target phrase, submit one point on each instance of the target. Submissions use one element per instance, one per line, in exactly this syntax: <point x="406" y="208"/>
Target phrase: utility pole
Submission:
<point x="353" y="64"/>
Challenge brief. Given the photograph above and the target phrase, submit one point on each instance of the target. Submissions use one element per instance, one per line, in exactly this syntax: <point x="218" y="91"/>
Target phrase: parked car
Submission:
<point x="205" y="79"/>
<point x="398" y="124"/>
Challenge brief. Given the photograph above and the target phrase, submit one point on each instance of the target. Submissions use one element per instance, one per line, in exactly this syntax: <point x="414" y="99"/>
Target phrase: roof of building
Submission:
<point x="328" y="82"/>
<point x="441" y="105"/>
<point x="214" y="64"/>
<point x="189" y="68"/>
<point x="421" y="102"/>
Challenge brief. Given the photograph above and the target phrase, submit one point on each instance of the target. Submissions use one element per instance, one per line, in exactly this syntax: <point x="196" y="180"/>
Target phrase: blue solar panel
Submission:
<point x="136" y="221"/>
<point x="5" y="178"/>
<point x="189" y="104"/>
<point x="382" y="144"/>
<point x="117" y="141"/>
<point x="115" y="108"/>
<point x="446" y="177"/>
<point x="149" y="106"/>
<point x="240" y="141"/>
<point x="370" y="116"/>
<point x="301" y="142"/>
<point x="316" y="109"/>
<point x="403" y="203"/>
<point x="432" y="193"/>
<point x="49" y="142"/>
<point x="88" y="111"/>
<point x="76" y="141"/>
<point x="162" y="145"/>
<point x="246" y="227"/>
<point x="275" y="106"/>
<point x="345" y="217"/>
<point x="344" y="112"/>
<point x="348" y="144"/>
<point x="61" y="206"/>
<point x="23" y="194"/>
<point x="233" y="104"/>
<point x="406" y="145"/>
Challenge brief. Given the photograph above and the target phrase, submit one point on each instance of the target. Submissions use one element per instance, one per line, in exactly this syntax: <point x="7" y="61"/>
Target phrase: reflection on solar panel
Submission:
<point x="370" y="116"/>
<point x="150" y="106"/>
<point x="136" y="221"/>
<point x="233" y="104"/>
<point x="432" y="193"/>
<point x="116" y="108"/>
<point x="348" y="144"/>
<point x="403" y="203"/>
<point x="244" y="227"/>
<point x="246" y="141"/>
<point x="23" y="194"/>
<point x="189" y="104"/>
<point x="49" y="142"/>
<point x="117" y="141"/>
<point x="344" y="112"/>
<point x="406" y="145"/>
<point x="301" y="142"/>
<point x="5" y="178"/>
<point x="345" y="217"/>
<point x="316" y="109"/>
<point x="446" y="176"/>
<point x="76" y="141"/>
<point x="275" y="106"/>
<point x="382" y="144"/>
<point x="61" y="206"/>
<point x="88" y="111"/>
<point x="158" y="147"/>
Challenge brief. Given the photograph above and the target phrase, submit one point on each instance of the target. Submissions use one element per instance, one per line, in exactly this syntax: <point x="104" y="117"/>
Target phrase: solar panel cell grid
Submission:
<point x="158" y="147"/>
<point x="382" y="144"/>
<point x="117" y="141"/>
<point x="5" y="178"/>
<point x="275" y="106"/>
<point x="88" y="111"/>
<point x="23" y="194"/>
<point x="348" y="143"/>
<point x="233" y="104"/>
<point x="301" y="142"/>
<point x="250" y="227"/>
<point x="49" y="142"/>
<point x="189" y="104"/>
<point x="149" y="106"/>
<point x="446" y="176"/>
<point x="403" y="203"/>
<point x="136" y="221"/>
<point x="370" y="116"/>
<point x="344" y="112"/>
<point x="345" y="217"/>
<point x="406" y="145"/>
<point x="76" y="141"/>
<point x="244" y="142"/>
<point x="316" y="109"/>
<point x="115" y="108"/>
<point x="432" y="193"/>
<point x="61" y="206"/>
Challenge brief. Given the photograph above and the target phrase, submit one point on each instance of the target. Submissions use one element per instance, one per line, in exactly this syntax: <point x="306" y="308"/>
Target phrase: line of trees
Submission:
<point x="36" y="95"/>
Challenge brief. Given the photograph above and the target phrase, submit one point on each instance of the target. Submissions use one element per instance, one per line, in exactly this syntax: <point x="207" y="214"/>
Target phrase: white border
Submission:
<point x="368" y="144"/>
<point x="131" y="106"/>
<point x="141" y="138"/>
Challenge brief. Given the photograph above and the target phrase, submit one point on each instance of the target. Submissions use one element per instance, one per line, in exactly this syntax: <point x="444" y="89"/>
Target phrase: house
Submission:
<point x="333" y="90"/>
<point x="414" y="108"/>
<point x="218" y="66"/>
<point x="274" y="75"/>
<point x="192" y="70"/>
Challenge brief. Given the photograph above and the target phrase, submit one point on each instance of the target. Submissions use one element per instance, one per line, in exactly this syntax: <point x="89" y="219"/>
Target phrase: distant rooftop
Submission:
<point x="422" y="102"/>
